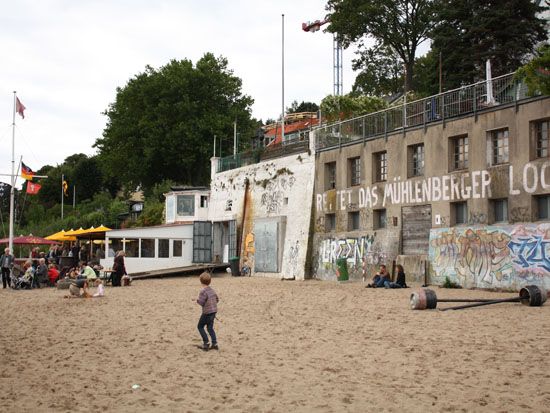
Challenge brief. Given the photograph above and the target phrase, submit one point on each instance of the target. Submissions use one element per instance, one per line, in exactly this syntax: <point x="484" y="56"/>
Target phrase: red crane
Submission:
<point x="337" y="73"/>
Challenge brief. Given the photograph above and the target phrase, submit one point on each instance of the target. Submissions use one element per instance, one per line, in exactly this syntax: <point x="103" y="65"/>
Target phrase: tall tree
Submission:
<point x="302" y="107"/>
<point x="162" y="123"/>
<point x="380" y="72"/>
<point x="471" y="31"/>
<point x="398" y="25"/>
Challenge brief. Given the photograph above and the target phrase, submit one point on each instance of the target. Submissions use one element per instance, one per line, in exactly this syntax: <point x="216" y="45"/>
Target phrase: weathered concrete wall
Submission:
<point x="374" y="247"/>
<point x="500" y="257"/>
<point x="281" y="187"/>
<point x="518" y="181"/>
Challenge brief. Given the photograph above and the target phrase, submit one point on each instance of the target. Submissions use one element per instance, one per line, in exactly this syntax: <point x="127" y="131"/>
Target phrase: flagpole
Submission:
<point x="74" y="196"/>
<point x="62" y="180"/>
<point x="12" y="190"/>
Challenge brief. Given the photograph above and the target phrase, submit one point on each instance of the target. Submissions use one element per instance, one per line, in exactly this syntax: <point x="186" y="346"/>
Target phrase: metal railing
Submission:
<point x="288" y="147"/>
<point x="465" y="100"/>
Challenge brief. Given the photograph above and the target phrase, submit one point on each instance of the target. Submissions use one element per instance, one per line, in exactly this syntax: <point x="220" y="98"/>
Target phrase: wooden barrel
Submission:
<point x="533" y="295"/>
<point x="423" y="299"/>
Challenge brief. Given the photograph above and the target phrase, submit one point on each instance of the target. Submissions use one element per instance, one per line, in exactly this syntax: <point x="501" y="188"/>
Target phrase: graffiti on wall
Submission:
<point x="352" y="249"/>
<point x="498" y="256"/>
<point x="274" y="191"/>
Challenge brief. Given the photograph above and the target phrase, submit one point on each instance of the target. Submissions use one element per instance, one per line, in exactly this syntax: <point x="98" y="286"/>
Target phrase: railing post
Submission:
<point x="443" y="109"/>
<point x="424" y="110"/>
<point x="386" y="126"/>
<point x="475" y="103"/>
<point x="364" y="130"/>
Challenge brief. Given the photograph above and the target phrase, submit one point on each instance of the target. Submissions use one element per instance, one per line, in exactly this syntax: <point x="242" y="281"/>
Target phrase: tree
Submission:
<point x="336" y="108"/>
<point x="162" y="123"/>
<point x="398" y="25"/>
<point x="471" y="31"/>
<point x="536" y="73"/>
<point x="302" y="107"/>
<point x="381" y="72"/>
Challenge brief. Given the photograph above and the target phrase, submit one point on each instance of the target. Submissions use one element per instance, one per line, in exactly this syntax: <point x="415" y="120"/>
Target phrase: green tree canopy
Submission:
<point x="335" y="108"/>
<point x="162" y="123"/>
<point x="536" y="73"/>
<point x="302" y="107"/>
<point x="396" y="25"/>
<point x="469" y="32"/>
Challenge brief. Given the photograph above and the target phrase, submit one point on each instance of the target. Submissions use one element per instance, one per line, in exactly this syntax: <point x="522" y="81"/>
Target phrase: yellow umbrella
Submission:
<point x="61" y="236"/>
<point x="75" y="231"/>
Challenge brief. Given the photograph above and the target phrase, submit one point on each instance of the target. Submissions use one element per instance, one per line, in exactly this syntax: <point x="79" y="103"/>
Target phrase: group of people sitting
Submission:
<point x="382" y="278"/>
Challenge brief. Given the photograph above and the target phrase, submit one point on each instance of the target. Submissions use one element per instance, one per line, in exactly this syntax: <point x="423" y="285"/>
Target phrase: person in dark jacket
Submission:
<point x="118" y="268"/>
<point x="400" y="281"/>
<point x="6" y="263"/>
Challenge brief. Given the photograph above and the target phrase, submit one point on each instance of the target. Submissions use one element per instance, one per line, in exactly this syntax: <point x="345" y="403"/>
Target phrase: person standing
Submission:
<point x="118" y="268"/>
<point x="208" y="300"/>
<point x="6" y="261"/>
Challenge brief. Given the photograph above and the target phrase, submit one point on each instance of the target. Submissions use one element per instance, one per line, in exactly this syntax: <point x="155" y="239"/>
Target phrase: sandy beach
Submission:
<point x="285" y="346"/>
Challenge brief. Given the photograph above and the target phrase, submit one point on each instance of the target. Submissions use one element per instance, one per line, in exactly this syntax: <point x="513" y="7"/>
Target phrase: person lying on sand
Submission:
<point x="78" y="289"/>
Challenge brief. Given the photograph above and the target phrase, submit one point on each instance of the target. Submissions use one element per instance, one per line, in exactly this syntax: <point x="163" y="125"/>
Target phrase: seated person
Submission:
<point x="86" y="271"/>
<point x="400" y="281"/>
<point x="41" y="273"/>
<point x="100" y="288"/>
<point x="53" y="273"/>
<point x="380" y="278"/>
<point x="28" y="273"/>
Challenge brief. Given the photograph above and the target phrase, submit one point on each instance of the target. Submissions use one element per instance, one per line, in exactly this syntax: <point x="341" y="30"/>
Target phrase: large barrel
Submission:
<point x="423" y="299"/>
<point x="533" y="295"/>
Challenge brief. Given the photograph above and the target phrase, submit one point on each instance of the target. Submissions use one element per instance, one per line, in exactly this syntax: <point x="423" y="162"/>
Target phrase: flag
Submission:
<point x="26" y="172"/>
<point x="33" y="188"/>
<point x="19" y="107"/>
<point x="65" y="186"/>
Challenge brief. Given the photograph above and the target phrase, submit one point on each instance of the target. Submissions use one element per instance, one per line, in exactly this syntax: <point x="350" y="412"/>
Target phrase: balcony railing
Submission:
<point x="466" y="100"/>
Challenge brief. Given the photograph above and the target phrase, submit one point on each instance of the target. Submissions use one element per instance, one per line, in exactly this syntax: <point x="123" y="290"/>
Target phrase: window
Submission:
<point x="459" y="147"/>
<point x="500" y="210"/>
<point x="459" y="212"/>
<point x="354" y="167"/>
<point x="379" y="218"/>
<point x="186" y="205"/>
<point x="353" y="220"/>
<point x="330" y="222"/>
<point x="330" y="175"/>
<point x="147" y="248"/>
<point x="381" y="166"/>
<point x="131" y="246"/>
<point x="164" y="248"/>
<point x="416" y="160"/>
<point x="204" y="201"/>
<point x="177" y="248"/>
<point x="115" y="246"/>
<point x="498" y="140"/>
<point x="541" y="131"/>
<point x="543" y="207"/>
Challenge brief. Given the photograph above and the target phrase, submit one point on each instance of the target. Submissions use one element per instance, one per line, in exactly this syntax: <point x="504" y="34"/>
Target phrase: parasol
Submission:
<point x="28" y="240"/>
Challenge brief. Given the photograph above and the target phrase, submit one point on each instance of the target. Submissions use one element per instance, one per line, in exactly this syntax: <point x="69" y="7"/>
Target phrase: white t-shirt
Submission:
<point x="100" y="291"/>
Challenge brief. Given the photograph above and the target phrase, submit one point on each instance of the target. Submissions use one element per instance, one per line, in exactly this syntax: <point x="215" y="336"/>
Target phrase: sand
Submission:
<point x="285" y="346"/>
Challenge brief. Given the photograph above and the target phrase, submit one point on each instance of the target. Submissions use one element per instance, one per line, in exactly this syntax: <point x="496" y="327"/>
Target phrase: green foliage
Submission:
<point x="153" y="214"/>
<point x="302" y="107"/>
<point x="469" y="32"/>
<point x="336" y="108"/>
<point x="399" y="26"/>
<point x="450" y="284"/>
<point x="536" y="73"/>
<point x="381" y="72"/>
<point x="162" y="123"/>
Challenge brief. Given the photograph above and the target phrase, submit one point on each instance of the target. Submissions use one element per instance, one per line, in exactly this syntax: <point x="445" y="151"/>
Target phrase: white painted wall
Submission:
<point x="279" y="187"/>
<point x="136" y="264"/>
<point x="171" y="213"/>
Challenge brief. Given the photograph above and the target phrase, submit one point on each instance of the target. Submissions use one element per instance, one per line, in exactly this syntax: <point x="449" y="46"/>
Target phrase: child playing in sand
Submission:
<point x="208" y="300"/>
<point x="78" y="289"/>
<point x="100" y="288"/>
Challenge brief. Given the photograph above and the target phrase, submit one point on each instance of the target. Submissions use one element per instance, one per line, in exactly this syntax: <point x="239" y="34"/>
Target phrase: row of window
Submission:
<point x="459" y="214"/>
<point x="147" y="247"/>
<point x="497" y="146"/>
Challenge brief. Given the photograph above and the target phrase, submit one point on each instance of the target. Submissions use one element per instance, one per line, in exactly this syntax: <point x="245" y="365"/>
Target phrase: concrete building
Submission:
<point x="261" y="212"/>
<point x="456" y="185"/>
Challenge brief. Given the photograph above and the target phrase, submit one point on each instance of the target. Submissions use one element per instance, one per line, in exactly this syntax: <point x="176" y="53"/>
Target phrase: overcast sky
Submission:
<point x="66" y="58"/>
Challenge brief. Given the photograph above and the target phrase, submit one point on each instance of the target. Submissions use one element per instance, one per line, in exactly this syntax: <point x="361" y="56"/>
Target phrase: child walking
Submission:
<point x="208" y="300"/>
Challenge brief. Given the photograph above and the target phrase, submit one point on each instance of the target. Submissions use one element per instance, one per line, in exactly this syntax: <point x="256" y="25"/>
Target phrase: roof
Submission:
<point x="301" y="125"/>
<point x="185" y="188"/>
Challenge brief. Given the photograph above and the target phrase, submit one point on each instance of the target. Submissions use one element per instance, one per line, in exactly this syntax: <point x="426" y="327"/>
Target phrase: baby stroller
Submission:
<point x="20" y="280"/>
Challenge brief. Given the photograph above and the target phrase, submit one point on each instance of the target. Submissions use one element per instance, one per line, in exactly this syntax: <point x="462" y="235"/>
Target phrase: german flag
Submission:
<point x="26" y="172"/>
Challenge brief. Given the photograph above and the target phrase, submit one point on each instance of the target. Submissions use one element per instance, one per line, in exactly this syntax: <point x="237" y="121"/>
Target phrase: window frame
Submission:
<point x="494" y="206"/>
<point x="499" y="139"/>
<point x="330" y="218"/>
<point x="460" y="152"/>
<point x="541" y="151"/>
<point x="354" y="221"/>
<point x="538" y="199"/>
<point x="416" y="160"/>
<point x="380" y="166"/>
<point x="330" y="175"/>
<point x="380" y="217"/>
<point x="354" y="169"/>
<point x="454" y="206"/>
